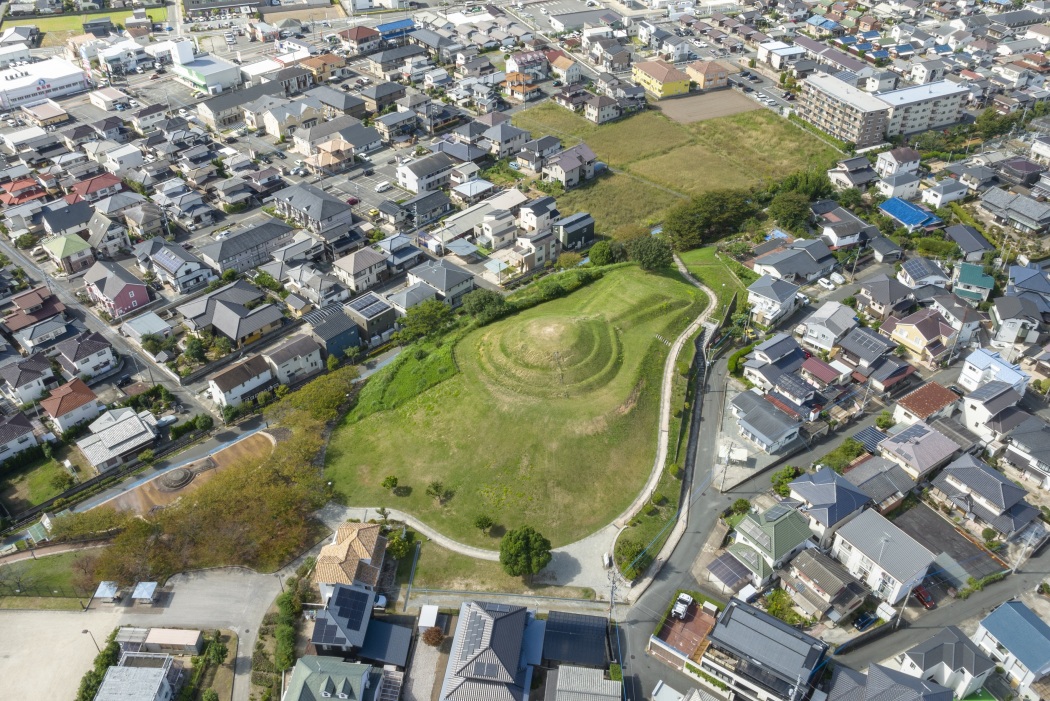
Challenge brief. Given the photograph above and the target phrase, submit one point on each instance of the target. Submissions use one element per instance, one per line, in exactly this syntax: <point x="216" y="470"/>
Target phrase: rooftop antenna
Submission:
<point x="884" y="539"/>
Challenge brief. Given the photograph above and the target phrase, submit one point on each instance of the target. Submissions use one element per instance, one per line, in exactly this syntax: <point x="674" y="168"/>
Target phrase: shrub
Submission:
<point x="733" y="364"/>
<point x="615" y="672"/>
<point x="885" y="421"/>
<point x="284" y="653"/>
<point x="741" y="506"/>
<point x="433" y="636"/>
<point x="781" y="478"/>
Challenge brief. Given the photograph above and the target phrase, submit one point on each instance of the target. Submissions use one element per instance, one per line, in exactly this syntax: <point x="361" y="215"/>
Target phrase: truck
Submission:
<point x="681" y="606"/>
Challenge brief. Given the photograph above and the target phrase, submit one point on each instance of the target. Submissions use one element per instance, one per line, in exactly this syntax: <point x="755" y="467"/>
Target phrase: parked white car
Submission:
<point x="681" y="606"/>
<point x="826" y="283"/>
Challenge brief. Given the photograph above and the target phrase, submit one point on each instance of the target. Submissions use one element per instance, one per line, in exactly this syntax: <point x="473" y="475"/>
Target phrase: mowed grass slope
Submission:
<point x="669" y="160"/>
<point x="550" y="421"/>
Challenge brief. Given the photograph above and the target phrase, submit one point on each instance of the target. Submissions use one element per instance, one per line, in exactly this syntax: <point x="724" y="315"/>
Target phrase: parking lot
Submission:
<point x="696" y="108"/>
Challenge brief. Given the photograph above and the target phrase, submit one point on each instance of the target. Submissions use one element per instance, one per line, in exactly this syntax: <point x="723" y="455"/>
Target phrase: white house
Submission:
<point x="829" y="324"/>
<point x="295" y="359"/>
<point x="71" y="404"/>
<point x="241" y="382"/>
<point x="983" y="366"/>
<point x="903" y="185"/>
<point x="86" y="355"/>
<point x="772" y="299"/>
<point x="18" y="435"/>
<point x="26" y="379"/>
<point x="881" y="555"/>
<point x="1018" y="640"/>
<point x="898" y="160"/>
<point x="947" y="190"/>
<point x="117" y="436"/>
<point x="950" y="659"/>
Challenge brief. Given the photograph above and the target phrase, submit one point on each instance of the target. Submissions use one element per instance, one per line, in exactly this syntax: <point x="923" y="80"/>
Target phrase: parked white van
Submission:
<point x="383" y="186"/>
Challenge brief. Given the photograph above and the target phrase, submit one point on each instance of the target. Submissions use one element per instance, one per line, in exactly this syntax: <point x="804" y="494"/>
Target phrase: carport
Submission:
<point x="729" y="572"/>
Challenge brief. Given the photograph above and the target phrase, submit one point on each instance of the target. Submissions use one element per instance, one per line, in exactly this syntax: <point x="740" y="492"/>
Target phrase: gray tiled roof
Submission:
<point x="245" y="240"/>
<point x="312" y="201"/>
<point x="484" y="661"/>
<point x="920" y="446"/>
<point x="896" y="552"/>
<point x="883" y="684"/>
<point x="14" y="427"/>
<point x="768" y="643"/>
<point x="110" y="278"/>
<point x="884" y="289"/>
<point x="773" y="288"/>
<point x="829" y="496"/>
<point x="25" y="370"/>
<point x="866" y="344"/>
<point x="950" y="647"/>
<point x="440" y="274"/>
<point x="299" y="346"/>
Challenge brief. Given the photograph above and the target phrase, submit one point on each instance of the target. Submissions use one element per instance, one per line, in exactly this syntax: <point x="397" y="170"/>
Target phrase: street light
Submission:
<point x="88" y="632"/>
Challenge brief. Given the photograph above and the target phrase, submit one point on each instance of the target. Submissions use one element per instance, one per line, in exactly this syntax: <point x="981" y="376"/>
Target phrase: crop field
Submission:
<point x="549" y="421"/>
<point x="58" y="29"/>
<point x="667" y="158"/>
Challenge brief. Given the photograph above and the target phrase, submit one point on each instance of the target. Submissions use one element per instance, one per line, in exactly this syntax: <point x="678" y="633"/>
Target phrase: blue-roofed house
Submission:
<point x="910" y="216"/>
<point x="828" y="501"/>
<point x="983" y="366"/>
<point x="396" y="29"/>
<point x="1019" y="641"/>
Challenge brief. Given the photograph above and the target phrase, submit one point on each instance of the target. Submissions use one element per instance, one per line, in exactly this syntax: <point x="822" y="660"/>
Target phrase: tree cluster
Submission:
<point x="523" y="552"/>
<point x="423" y="321"/>
<point x="708" y="217"/>
<point x="486" y="306"/>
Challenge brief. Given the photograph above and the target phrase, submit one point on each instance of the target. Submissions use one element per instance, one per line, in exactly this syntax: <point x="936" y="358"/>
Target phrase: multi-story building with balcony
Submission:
<point x="843" y="111"/>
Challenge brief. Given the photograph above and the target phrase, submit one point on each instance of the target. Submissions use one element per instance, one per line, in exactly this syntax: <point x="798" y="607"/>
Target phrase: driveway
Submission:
<point x="230" y="598"/>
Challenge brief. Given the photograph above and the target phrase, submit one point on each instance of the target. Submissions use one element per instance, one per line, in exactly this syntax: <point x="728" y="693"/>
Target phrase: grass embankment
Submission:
<point x="712" y="269"/>
<point x="663" y="160"/>
<point x="43" y="576"/>
<point x="550" y="419"/>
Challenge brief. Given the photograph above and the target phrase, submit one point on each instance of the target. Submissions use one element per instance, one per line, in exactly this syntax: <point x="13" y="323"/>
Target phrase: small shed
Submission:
<point x="131" y="639"/>
<point x="175" y="641"/>
<point x="428" y="616"/>
<point x="108" y="591"/>
<point x="144" y="592"/>
<point x="108" y="98"/>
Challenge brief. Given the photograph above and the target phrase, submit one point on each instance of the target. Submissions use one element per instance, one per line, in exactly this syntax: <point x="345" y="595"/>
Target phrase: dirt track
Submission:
<point x="721" y="103"/>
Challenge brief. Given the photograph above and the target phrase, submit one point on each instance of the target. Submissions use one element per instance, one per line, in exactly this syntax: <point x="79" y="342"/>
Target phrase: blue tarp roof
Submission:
<point x="847" y="41"/>
<point x="397" y="25"/>
<point x="881" y="53"/>
<point x="869" y="35"/>
<point x="908" y="214"/>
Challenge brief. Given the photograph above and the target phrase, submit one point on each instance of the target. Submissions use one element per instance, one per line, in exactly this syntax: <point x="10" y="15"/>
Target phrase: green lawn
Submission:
<point x="707" y="266"/>
<point x="44" y="574"/>
<point x="73" y="22"/>
<point x="32" y="484"/>
<point x="661" y="158"/>
<point x="550" y="420"/>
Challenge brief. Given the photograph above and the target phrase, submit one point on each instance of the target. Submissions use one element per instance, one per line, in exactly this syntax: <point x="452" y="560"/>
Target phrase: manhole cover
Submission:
<point x="177" y="478"/>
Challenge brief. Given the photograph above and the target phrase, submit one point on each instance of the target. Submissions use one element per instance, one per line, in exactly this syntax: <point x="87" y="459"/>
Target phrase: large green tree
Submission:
<point x="814" y="184"/>
<point x="485" y="305"/>
<point x="424" y="320"/>
<point x="790" y="209"/>
<point x="707" y="217"/>
<point x="651" y="252"/>
<point x="601" y="253"/>
<point x="524" y="552"/>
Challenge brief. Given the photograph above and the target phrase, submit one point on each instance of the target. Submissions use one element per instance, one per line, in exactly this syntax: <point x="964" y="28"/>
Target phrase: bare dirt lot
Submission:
<point x="152" y="494"/>
<point x="722" y="103"/>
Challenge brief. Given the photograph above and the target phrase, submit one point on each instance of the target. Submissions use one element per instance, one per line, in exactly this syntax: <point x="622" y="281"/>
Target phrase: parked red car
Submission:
<point x="924" y="597"/>
<point x="352" y="201"/>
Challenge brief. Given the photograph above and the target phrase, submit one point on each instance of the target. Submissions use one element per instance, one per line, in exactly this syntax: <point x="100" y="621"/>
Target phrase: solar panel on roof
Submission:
<point x="776" y="512"/>
<point x="754" y="532"/>
<point x="351" y="605"/>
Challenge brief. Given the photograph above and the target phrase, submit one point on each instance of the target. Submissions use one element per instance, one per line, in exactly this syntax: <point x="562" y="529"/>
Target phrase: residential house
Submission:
<point x="360" y="40"/>
<point x="800" y="261"/>
<point x="373" y="315"/>
<point x="881" y="556"/>
<point x="950" y="659"/>
<point x="426" y="174"/>
<point x="839" y="227"/>
<point x="946" y="191"/>
<point x="294" y="359"/>
<point x="601" y="109"/>
<point x="70" y="252"/>
<point x="759" y="656"/>
<point x="828" y="501"/>
<point x="919" y="450"/>
<point x="772" y="300"/>
<point x="898" y="160"/>
<point x="450" y="282"/>
<point x="531" y="63"/>
<point x="883" y="296"/>
<point x="382" y="95"/>
<point x="822" y="587"/>
<point x="315" y="676"/>
<point x="226" y="311"/>
<point x="97" y="187"/>
<point x="1021" y="212"/>
<point x="117" y="436"/>
<point x="852" y="173"/>
<point x="115" y="290"/>
<point x="765" y="542"/>
<point x="71" y="404"/>
<point x="242" y="382"/>
<point x="354" y="556"/>
<point x="574" y="231"/>
<point x="533" y="154"/>
<point x="146" y="220"/>
<point x="826" y="326"/>
<point x="928" y="402"/>
<point x="911" y="216"/>
<point x="660" y="79"/>
<point x="86" y="355"/>
<point x="708" y="75"/>
<point x="1028" y="450"/>
<point x="764" y="424"/>
<point x="916" y="272"/>
<point x="991" y="412"/>
<point x="172" y="264"/>
<point x="361" y="270"/>
<point x="16" y="436"/>
<point x="846" y="683"/>
<point x="1018" y="640"/>
<point x="35" y="309"/>
<point x="772" y="358"/>
<point x="571" y="167"/>
<point x="106" y="235"/>
<point x="313" y="209"/>
<point x="899" y="185"/>
<point x="970" y="241"/>
<point x="25" y="380"/>
<point x="883" y="480"/>
<point x="567" y="70"/>
<point x="249" y="247"/>
<point x="344" y="627"/>
<point x="983" y="365"/>
<point x="504" y="139"/>
<point x="334" y="330"/>
<point x="494" y="633"/>
<point x="984" y="496"/>
<point x="569" y="682"/>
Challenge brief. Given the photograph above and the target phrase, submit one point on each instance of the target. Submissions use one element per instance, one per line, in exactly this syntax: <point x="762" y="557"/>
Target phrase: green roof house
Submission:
<point x="767" y="541"/>
<point x="972" y="283"/>
<point x="315" y="678"/>
<point x="70" y="253"/>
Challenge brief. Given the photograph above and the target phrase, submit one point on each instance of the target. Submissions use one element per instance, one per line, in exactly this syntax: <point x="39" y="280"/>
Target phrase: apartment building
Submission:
<point x="924" y="107"/>
<point x="845" y="112"/>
